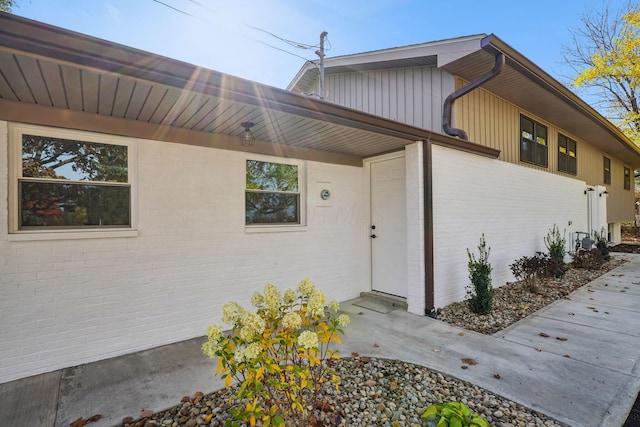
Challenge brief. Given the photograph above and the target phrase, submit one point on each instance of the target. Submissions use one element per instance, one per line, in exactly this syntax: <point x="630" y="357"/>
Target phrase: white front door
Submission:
<point x="388" y="227"/>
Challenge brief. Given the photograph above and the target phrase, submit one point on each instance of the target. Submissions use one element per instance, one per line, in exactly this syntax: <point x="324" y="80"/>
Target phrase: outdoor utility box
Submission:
<point x="587" y="243"/>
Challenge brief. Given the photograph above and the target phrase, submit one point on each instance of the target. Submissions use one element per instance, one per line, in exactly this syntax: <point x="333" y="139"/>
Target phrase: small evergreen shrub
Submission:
<point x="556" y="245"/>
<point x="452" y="414"/>
<point x="480" y="292"/>
<point x="588" y="259"/>
<point x="602" y="243"/>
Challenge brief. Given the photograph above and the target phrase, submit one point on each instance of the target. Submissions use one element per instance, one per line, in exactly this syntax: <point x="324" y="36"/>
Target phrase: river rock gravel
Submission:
<point x="380" y="392"/>
<point x="373" y="392"/>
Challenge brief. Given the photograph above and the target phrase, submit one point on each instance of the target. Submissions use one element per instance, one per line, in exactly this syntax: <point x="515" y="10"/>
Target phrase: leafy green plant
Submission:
<point x="602" y="242"/>
<point x="452" y="414"/>
<point x="480" y="292"/>
<point x="588" y="259"/>
<point x="556" y="245"/>
<point x="278" y="354"/>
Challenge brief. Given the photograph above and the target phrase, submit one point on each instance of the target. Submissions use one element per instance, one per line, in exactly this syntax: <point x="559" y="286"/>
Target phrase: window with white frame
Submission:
<point x="273" y="193"/>
<point x="68" y="180"/>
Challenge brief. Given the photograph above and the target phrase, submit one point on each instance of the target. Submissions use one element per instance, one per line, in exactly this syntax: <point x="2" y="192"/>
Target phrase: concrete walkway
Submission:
<point x="589" y="379"/>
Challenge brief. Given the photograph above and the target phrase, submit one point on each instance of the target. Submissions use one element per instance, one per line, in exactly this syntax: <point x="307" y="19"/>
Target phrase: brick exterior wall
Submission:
<point x="513" y="206"/>
<point x="68" y="302"/>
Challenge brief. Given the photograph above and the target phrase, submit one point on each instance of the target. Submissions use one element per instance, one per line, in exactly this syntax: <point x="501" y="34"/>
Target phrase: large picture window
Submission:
<point x="533" y="142"/>
<point x="567" y="155"/>
<point x="607" y="170"/>
<point x="70" y="182"/>
<point x="272" y="194"/>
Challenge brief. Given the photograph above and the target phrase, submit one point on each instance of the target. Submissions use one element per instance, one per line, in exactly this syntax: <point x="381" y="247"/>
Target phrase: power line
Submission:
<point x="292" y="43"/>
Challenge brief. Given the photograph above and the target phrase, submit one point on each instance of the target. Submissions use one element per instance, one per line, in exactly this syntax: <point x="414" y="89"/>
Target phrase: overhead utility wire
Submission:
<point x="209" y="22"/>
<point x="290" y="42"/>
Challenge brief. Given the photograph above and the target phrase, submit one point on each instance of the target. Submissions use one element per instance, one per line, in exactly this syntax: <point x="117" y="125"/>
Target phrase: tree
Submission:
<point x="7" y="5"/>
<point x="605" y="54"/>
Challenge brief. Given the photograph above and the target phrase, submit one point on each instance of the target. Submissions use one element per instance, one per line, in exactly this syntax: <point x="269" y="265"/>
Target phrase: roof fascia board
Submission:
<point x="451" y="49"/>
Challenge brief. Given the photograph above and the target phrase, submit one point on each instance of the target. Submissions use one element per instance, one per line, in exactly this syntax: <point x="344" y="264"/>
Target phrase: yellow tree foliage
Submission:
<point x="618" y="68"/>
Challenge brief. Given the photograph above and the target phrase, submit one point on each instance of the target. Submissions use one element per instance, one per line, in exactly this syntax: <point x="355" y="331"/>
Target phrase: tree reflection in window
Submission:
<point x="73" y="184"/>
<point x="272" y="193"/>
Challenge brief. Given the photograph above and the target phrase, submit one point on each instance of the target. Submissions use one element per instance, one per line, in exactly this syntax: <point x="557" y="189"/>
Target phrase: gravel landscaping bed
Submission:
<point x="379" y="392"/>
<point x="373" y="392"/>
<point x="512" y="301"/>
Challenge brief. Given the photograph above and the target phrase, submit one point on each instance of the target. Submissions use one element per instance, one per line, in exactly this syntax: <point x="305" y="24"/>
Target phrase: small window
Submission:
<point x="533" y="142"/>
<point x="65" y="181"/>
<point x="272" y="194"/>
<point x="567" y="155"/>
<point x="607" y="170"/>
<point x="627" y="179"/>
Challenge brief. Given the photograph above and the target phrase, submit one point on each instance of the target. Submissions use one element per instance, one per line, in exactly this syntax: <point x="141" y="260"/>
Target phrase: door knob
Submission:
<point x="373" y="236"/>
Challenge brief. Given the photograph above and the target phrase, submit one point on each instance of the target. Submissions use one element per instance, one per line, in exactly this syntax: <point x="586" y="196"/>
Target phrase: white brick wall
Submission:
<point x="67" y="302"/>
<point x="415" y="228"/>
<point x="514" y="206"/>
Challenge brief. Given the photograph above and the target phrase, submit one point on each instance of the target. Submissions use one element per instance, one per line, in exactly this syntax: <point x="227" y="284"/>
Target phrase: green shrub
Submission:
<point x="480" y="292"/>
<point x="588" y="259"/>
<point x="277" y="353"/>
<point x="556" y="245"/>
<point x="602" y="243"/>
<point x="452" y="414"/>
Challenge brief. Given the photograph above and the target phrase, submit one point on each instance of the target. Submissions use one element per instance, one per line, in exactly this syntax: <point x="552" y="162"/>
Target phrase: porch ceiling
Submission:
<point x="55" y="68"/>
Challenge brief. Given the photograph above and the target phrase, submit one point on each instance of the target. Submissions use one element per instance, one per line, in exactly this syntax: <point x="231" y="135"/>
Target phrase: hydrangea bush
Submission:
<point x="279" y="353"/>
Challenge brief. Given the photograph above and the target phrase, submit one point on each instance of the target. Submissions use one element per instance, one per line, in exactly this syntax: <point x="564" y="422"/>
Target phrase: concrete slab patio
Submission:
<point x="590" y="379"/>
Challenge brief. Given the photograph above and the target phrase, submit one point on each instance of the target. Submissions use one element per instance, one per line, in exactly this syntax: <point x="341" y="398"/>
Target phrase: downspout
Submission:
<point x="448" y="103"/>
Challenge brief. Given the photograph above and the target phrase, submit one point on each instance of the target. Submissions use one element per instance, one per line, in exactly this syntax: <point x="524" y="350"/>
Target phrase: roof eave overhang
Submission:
<point x="49" y="43"/>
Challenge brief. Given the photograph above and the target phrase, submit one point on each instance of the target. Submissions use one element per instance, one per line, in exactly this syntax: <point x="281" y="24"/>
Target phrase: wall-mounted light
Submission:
<point x="246" y="137"/>
<point x="589" y="189"/>
<point x="605" y="192"/>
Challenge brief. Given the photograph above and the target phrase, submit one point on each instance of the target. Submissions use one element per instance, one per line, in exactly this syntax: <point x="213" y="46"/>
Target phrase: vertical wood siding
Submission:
<point x="410" y="95"/>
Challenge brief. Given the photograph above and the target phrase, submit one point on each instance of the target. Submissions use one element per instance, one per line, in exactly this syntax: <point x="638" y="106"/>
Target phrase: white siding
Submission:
<point x="67" y="302"/>
<point x="409" y="95"/>
<point x="513" y="206"/>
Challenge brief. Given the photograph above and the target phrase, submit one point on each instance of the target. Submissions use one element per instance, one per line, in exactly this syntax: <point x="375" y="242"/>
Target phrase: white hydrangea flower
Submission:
<point x="290" y="296"/>
<point x="257" y="299"/>
<point x="316" y="302"/>
<point x="306" y="287"/>
<point x="291" y="321"/>
<point x="252" y="322"/>
<point x="214" y="332"/>
<point x="334" y="306"/>
<point x="239" y="354"/>
<point x="231" y="312"/>
<point x="343" y="320"/>
<point x="272" y="297"/>
<point x="252" y="351"/>
<point x="308" y="339"/>
<point x="210" y="348"/>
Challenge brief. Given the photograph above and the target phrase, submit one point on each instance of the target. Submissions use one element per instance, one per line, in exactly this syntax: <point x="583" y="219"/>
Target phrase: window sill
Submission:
<point x="274" y="228"/>
<point x="22" y="236"/>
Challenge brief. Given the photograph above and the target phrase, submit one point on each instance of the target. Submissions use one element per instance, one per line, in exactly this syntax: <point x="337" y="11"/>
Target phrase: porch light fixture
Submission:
<point x="246" y="137"/>
<point x="589" y="189"/>
<point x="605" y="192"/>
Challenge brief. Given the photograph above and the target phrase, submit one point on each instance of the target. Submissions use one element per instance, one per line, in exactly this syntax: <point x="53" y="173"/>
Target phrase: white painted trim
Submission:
<point x="366" y="194"/>
<point x="302" y="189"/>
<point x="14" y="132"/>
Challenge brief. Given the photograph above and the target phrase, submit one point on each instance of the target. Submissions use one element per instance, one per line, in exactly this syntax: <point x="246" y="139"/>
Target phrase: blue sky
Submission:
<point x="230" y="36"/>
